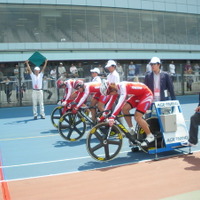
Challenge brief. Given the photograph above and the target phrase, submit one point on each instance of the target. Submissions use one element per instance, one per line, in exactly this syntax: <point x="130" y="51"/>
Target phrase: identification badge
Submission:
<point x="157" y="92"/>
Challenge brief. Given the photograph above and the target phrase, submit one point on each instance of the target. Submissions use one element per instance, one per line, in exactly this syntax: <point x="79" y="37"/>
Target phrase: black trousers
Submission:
<point x="194" y="128"/>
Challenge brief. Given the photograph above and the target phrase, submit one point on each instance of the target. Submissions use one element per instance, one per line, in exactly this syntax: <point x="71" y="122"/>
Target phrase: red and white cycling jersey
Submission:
<point x="137" y="94"/>
<point x="89" y="88"/>
<point x="69" y="88"/>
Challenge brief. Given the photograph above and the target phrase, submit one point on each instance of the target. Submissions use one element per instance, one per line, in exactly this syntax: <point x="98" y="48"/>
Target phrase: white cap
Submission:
<point x="37" y="68"/>
<point x="155" y="60"/>
<point x="110" y="63"/>
<point x="95" y="70"/>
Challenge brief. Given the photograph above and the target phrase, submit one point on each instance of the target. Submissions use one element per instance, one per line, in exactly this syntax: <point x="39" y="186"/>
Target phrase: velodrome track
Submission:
<point x="38" y="164"/>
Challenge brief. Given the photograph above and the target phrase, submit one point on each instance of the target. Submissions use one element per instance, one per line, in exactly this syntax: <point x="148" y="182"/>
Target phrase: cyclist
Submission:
<point x="70" y="94"/>
<point x="113" y="77"/>
<point x="131" y="95"/>
<point x="85" y="89"/>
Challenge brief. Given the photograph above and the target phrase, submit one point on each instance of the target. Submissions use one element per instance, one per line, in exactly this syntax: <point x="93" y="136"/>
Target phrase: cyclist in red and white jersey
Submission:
<point x="70" y="93"/>
<point x="85" y="89"/>
<point x="131" y="95"/>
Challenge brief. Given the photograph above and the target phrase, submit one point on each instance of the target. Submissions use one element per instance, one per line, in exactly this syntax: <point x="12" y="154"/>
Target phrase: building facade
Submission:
<point x="93" y="31"/>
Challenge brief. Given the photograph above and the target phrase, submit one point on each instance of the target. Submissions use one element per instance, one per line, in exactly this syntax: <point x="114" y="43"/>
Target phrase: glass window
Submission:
<point x="192" y="28"/>
<point x="170" y="28"/>
<point x="147" y="27"/>
<point x="93" y="25"/>
<point x="181" y="29"/>
<point x="79" y="33"/>
<point x="107" y="26"/>
<point x="198" y="29"/>
<point x="158" y="28"/>
<point x="121" y="30"/>
<point x="134" y="26"/>
<point x="63" y="29"/>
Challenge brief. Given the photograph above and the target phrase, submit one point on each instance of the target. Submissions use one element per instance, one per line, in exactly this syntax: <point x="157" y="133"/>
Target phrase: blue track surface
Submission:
<point x="33" y="148"/>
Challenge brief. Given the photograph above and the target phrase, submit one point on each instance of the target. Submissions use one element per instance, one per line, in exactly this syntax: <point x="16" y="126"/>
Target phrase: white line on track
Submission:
<point x="32" y="137"/>
<point x="72" y="172"/>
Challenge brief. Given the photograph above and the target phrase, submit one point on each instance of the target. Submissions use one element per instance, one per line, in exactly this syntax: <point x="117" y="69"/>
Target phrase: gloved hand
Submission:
<point x="59" y="103"/>
<point x="101" y="119"/>
<point x="69" y="106"/>
<point x="64" y="103"/>
<point x="75" y="110"/>
<point x="111" y="121"/>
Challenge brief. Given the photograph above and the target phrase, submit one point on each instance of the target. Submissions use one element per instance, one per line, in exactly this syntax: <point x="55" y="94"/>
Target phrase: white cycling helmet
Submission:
<point x="78" y="83"/>
<point x="104" y="87"/>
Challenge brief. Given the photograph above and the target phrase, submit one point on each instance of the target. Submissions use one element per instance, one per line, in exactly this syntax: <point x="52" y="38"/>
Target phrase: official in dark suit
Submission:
<point x="159" y="82"/>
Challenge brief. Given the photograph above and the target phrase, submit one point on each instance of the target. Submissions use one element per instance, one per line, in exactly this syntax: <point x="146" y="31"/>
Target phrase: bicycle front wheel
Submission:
<point x="103" y="143"/>
<point x="72" y="126"/>
<point x="56" y="115"/>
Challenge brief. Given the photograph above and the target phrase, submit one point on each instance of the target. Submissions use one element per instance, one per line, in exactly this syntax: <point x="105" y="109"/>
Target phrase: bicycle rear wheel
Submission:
<point x="56" y="115"/>
<point x="155" y="130"/>
<point x="101" y="146"/>
<point x="72" y="126"/>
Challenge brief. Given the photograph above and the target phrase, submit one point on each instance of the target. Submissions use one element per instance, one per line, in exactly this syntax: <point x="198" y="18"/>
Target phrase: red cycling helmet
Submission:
<point x="77" y="84"/>
<point x="60" y="83"/>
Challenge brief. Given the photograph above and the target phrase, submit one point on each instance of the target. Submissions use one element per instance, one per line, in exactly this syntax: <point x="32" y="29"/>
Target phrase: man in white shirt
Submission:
<point x="172" y="68"/>
<point x="37" y="94"/>
<point x="74" y="71"/>
<point x="61" y="70"/>
<point x="95" y="75"/>
<point x="53" y="73"/>
<point x="113" y="77"/>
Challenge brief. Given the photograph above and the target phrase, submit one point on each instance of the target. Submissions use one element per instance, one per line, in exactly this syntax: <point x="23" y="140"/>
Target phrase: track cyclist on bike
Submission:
<point x="131" y="95"/>
<point x="85" y="89"/>
<point x="70" y="93"/>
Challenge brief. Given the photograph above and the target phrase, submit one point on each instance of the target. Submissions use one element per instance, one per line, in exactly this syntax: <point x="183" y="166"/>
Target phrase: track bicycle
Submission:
<point x="73" y="126"/>
<point x="57" y="114"/>
<point x="104" y="143"/>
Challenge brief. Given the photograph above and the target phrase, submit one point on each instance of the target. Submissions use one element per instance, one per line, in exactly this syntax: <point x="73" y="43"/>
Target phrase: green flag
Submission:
<point x="37" y="58"/>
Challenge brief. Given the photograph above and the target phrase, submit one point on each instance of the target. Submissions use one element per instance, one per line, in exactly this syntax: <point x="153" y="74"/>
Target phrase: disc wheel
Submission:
<point x="155" y="130"/>
<point x="56" y="115"/>
<point x="72" y="126"/>
<point x="101" y="146"/>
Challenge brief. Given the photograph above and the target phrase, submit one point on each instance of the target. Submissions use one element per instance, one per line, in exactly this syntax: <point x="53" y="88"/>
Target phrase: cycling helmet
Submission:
<point x="104" y="87"/>
<point x="77" y="84"/>
<point x="60" y="83"/>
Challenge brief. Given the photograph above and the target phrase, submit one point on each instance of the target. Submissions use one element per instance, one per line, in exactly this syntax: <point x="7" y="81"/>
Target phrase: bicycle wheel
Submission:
<point x="56" y="115"/>
<point x="155" y="130"/>
<point x="101" y="146"/>
<point x="72" y="126"/>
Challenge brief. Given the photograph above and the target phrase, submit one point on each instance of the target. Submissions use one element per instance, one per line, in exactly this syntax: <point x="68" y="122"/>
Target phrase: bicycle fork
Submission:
<point x="109" y="131"/>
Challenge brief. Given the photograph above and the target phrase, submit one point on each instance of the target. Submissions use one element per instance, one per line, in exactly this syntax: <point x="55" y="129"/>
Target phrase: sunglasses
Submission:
<point x="154" y="64"/>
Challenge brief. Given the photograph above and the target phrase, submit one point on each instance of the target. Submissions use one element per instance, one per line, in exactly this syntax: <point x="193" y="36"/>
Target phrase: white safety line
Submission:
<point x="77" y="171"/>
<point x="32" y="137"/>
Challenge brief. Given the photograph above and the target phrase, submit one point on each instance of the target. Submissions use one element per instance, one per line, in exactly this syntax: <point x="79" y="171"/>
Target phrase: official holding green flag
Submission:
<point x="37" y="94"/>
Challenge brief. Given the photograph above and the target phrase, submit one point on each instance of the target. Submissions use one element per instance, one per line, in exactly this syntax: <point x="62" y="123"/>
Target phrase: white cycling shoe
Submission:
<point x="150" y="138"/>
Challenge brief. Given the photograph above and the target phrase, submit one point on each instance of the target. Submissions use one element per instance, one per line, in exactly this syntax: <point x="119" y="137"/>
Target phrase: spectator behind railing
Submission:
<point x="8" y="87"/>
